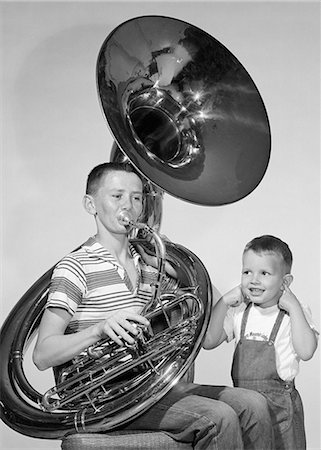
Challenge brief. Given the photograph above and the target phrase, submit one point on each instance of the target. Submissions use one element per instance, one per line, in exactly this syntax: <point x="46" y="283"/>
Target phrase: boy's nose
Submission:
<point x="127" y="203"/>
<point x="255" y="278"/>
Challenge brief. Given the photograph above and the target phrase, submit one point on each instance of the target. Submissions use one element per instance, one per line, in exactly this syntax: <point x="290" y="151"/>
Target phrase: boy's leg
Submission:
<point x="252" y="410"/>
<point x="204" y="422"/>
<point x="213" y="417"/>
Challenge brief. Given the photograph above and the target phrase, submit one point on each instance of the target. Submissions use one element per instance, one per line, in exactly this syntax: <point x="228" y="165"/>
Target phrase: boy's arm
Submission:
<point x="53" y="347"/>
<point x="215" y="334"/>
<point x="303" y="337"/>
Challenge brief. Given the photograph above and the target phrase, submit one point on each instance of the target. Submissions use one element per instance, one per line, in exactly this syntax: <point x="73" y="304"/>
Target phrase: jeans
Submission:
<point x="211" y="417"/>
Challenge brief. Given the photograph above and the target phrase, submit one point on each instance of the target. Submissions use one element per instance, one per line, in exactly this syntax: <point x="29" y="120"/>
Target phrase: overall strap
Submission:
<point x="276" y="326"/>
<point x="244" y="319"/>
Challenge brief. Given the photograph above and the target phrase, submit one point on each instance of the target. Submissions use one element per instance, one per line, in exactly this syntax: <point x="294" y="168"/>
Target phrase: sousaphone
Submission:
<point x="185" y="112"/>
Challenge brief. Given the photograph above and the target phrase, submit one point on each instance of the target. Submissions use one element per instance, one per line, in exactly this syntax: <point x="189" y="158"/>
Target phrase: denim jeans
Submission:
<point x="211" y="417"/>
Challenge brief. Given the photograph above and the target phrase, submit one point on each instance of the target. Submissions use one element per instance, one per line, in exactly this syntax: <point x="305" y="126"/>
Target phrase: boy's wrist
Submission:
<point x="293" y="307"/>
<point x="96" y="332"/>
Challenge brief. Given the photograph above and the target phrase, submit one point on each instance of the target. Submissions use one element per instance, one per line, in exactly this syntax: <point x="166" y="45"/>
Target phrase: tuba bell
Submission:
<point x="187" y="115"/>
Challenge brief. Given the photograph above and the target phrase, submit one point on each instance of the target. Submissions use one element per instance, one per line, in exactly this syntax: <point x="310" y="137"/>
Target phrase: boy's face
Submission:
<point x="263" y="277"/>
<point x="119" y="191"/>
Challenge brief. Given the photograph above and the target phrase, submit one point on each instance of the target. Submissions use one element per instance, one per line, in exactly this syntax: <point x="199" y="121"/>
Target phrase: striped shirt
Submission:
<point x="89" y="283"/>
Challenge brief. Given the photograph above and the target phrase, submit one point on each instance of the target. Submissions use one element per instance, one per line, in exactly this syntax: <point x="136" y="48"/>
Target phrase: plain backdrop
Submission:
<point x="53" y="133"/>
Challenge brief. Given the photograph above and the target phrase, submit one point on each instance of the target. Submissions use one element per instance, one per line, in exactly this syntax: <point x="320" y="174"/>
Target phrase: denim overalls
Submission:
<point x="254" y="367"/>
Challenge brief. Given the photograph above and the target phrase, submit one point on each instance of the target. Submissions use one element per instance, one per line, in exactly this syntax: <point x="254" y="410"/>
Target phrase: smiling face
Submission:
<point x="118" y="192"/>
<point x="263" y="277"/>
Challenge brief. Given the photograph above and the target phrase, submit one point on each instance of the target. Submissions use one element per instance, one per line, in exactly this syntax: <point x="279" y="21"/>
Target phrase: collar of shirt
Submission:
<point x="95" y="249"/>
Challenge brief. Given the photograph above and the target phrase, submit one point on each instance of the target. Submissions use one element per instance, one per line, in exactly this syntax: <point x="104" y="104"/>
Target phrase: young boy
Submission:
<point x="100" y="290"/>
<point x="272" y="330"/>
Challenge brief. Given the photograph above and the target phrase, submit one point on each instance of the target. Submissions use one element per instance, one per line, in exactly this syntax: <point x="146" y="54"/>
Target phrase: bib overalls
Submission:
<point x="254" y="367"/>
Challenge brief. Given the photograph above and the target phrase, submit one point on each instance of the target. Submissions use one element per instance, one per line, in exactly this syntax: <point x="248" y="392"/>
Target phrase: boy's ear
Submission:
<point x="287" y="279"/>
<point x="89" y="204"/>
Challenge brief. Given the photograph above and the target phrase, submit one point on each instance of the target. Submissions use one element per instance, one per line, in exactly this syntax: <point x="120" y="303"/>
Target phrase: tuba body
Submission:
<point x="113" y="385"/>
<point x="186" y="114"/>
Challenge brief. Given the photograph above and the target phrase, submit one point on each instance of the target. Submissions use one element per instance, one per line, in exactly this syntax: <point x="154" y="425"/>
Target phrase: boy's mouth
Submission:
<point x="256" y="291"/>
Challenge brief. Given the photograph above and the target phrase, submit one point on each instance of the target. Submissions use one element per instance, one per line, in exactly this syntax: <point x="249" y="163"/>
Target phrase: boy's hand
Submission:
<point x="287" y="300"/>
<point x="234" y="297"/>
<point x="120" y="326"/>
<point x="149" y="259"/>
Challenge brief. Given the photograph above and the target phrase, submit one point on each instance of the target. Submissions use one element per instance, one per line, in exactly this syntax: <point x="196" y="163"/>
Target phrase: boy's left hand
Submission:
<point x="287" y="299"/>
<point x="149" y="259"/>
<point x="152" y="260"/>
<point x="234" y="297"/>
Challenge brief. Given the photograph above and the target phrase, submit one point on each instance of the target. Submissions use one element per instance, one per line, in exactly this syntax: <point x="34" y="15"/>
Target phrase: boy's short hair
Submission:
<point x="98" y="172"/>
<point x="268" y="243"/>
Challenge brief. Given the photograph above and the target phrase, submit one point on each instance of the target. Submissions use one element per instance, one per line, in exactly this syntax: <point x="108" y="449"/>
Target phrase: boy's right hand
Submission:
<point x="234" y="297"/>
<point x="120" y="326"/>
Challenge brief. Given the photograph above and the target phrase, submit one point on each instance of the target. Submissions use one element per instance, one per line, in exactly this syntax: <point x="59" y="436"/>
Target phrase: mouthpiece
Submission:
<point x="125" y="218"/>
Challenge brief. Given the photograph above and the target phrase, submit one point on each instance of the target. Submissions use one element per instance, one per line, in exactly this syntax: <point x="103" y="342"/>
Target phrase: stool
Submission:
<point x="122" y="440"/>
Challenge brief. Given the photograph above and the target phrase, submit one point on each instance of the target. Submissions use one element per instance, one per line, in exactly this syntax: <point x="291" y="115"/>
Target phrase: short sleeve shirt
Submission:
<point x="259" y="326"/>
<point x="89" y="283"/>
